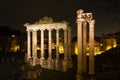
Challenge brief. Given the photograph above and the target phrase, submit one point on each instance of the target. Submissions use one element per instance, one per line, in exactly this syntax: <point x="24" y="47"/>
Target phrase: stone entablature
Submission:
<point x="49" y="26"/>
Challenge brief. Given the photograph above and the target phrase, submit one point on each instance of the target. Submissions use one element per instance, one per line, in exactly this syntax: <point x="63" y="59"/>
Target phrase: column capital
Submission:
<point x="34" y="30"/>
<point x="42" y="29"/>
<point x="92" y="22"/>
<point x="49" y="29"/>
<point x="57" y="29"/>
<point x="65" y="29"/>
<point x="79" y="13"/>
<point x="82" y="20"/>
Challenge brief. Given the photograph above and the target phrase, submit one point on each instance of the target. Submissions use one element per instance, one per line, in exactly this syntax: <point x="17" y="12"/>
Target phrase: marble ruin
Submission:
<point x="49" y="63"/>
<point x="82" y="20"/>
<point x="85" y="23"/>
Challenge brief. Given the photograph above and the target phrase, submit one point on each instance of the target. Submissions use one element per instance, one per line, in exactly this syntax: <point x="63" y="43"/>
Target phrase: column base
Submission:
<point x="42" y="62"/>
<point x="34" y="61"/>
<point x="69" y="63"/>
<point x="57" y="64"/>
<point x="49" y="61"/>
<point x="27" y="59"/>
<point x="79" y="76"/>
<point x="64" y="67"/>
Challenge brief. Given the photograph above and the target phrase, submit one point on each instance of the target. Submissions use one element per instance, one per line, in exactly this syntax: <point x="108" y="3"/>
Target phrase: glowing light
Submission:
<point x="101" y="44"/>
<point x="38" y="48"/>
<point x="13" y="35"/>
<point x="61" y="48"/>
<point x="114" y="45"/>
<point x="53" y="45"/>
<point x="15" y="48"/>
<point x="108" y="47"/>
<point x="76" y="48"/>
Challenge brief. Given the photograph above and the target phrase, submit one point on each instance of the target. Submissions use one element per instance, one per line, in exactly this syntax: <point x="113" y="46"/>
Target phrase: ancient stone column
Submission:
<point x="65" y="45"/>
<point x="34" y="46"/>
<point x="50" y="50"/>
<point x="57" y="44"/>
<point x="91" y="51"/>
<point x="69" y="43"/>
<point x="84" y="47"/>
<point x="50" y="45"/>
<point x="79" y="44"/>
<point x="69" y="48"/>
<point x="28" y="45"/>
<point x="57" y="49"/>
<point x="65" y="52"/>
<point x="42" y="48"/>
<point x="33" y="43"/>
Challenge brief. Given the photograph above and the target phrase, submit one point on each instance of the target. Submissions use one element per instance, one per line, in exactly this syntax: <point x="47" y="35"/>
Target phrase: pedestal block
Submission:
<point x="57" y="64"/>
<point x="64" y="64"/>
<point x="79" y="76"/>
<point x="42" y="62"/>
<point x="70" y="63"/>
<point x="49" y="61"/>
<point x="34" y="61"/>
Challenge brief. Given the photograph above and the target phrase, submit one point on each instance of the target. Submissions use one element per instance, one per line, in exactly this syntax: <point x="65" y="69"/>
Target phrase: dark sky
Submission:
<point x="15" y="13"/>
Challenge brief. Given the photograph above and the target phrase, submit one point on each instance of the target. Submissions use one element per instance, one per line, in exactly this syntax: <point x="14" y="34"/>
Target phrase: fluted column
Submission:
<point x="42" y="47"/>
<point x="91" y="51"/>
<point x="84" y="47"/>
<point x="28" y="45"/>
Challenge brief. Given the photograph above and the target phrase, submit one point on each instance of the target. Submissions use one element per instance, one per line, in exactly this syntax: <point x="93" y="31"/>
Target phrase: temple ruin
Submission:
<point x="49" y="25"/>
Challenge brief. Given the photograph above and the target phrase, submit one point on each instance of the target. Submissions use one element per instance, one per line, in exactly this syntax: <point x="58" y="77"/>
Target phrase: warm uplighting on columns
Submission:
<point x="84" y="47"/>
<point x="50" y="45"/>
<point x="50" y="50"/>
<point x="65" y="45"/>
<point x="57" y="44"/>
<point x="34" y="46"/>
<point x="69" y="43"/>
<point x="42" y="47"/>
<point x="91" y="51"/>
<point x="79" y="41"/>
<point x="28" y="45"/>
<point x="57" y="49"/>
<point x="35" y="55"/>
<point x="82" y="20"/>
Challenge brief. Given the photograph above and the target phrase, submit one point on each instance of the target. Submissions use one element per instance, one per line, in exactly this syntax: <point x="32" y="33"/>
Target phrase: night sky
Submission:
<point x="15" y="13"/>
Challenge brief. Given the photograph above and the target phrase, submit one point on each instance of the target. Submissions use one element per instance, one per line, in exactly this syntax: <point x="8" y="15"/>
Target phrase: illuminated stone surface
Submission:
<point x="82" y="20"/>
<point x="41" y="26"/>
